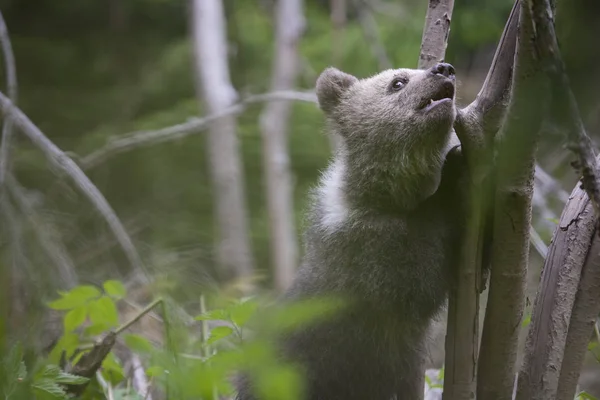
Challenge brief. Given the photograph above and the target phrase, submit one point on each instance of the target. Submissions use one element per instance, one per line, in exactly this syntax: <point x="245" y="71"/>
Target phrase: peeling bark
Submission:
<point x="583" y="315"/>
<point x="547" y="336"/>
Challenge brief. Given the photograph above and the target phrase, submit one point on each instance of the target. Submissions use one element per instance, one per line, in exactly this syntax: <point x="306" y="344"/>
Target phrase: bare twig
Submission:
<point x="64" y="163"/>
<point x="564" y="99"/>
<point x="53" y="246"/>
<point x="512" y="219"/>
<point x="548" y="185"/>
<point x="435" y="34"/>
<point x="11" y="90"/>
<point x="134" y="140"/>
<point x="538" y="243"/>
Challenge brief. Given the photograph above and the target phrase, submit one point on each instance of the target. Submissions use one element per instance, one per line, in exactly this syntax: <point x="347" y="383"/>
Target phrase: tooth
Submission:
<point x="430" y="101"/>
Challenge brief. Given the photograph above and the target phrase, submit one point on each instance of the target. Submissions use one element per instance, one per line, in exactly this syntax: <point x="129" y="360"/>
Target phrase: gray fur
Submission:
<point x="383" y="234"/>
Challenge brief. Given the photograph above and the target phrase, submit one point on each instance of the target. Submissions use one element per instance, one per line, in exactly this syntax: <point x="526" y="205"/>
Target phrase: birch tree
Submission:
<point x="216" y="92"/>
<point x="274" y="123"/>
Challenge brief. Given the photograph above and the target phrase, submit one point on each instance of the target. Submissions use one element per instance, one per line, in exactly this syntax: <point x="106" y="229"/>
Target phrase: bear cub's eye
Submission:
<point x="398" y="84"/>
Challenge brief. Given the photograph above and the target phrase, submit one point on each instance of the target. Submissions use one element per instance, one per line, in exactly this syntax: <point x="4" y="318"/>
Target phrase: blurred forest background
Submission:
<point x="92" y="71"/>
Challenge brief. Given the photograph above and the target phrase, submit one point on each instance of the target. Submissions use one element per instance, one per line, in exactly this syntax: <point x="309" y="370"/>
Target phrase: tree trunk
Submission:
<point x="274" y="126"/>
<point x="216" y="92"/>
<point x="552" y="307"/>
<point x="512" y="220"/>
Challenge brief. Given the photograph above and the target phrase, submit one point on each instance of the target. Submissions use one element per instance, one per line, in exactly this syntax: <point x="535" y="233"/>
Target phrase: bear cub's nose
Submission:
<point x="443" y="69"/>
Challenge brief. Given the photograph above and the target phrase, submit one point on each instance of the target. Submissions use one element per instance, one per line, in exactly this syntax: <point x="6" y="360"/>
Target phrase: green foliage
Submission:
<point x="240" y="338"/>
<point x="47" y="383"/>
<point x="585" y="396"/>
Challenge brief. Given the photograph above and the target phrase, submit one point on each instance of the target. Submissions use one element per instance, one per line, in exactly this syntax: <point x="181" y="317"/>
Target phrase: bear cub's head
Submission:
<point x="395" y="128"/>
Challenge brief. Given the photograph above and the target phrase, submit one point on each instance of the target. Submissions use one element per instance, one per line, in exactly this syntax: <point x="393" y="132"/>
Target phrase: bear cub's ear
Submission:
<point x="332" y="83"/>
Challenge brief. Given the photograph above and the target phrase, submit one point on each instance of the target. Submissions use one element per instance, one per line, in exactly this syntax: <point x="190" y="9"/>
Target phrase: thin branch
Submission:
<point x="64" y="163"/>
<point x="54" y="248"/>
<point x="577" y="139"/>
<point x="548" y="185"/>
<point x="11" y="90"/>
<point x="134" y="140"/>
<point x="435" y="34"/>
<point x="538" y="243"/>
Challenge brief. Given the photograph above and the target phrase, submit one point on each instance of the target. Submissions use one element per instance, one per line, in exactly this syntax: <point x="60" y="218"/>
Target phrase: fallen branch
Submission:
<point x="134" y="140"/>
<point x="64" y="163"/>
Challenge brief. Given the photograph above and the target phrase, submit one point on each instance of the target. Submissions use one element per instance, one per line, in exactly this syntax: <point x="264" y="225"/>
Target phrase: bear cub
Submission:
<point x="383" y="233"/>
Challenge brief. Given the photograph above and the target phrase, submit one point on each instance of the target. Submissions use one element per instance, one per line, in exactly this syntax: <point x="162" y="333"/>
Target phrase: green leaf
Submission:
<point x="138" y="344"/>
<point x="592" y="345"/>
<point x="22" y="374"/>
<point x="74" y="318"/>
<point x="112" y="370"/>
<point x="428" y="381"/>
<point x="114" y="289"/>
<point x="155" y="371"/>
<point x="77" y="297"/>
<point x="13" y="368"/>
<point x="51" y="371"/>
<point x="104" y="311"/>
<point x="242" y="312"/>
<point x="96" y="329"/>
<point x="68" y="342"/>
<point x="219" y="333"/>
<point x="125" y="394"/>
<point x="585" y="396"/>
<point x="526" y="321"/>
<point x="214" y="315"/>
<point x="70" y="379"/>
<point x="49" y="387"/>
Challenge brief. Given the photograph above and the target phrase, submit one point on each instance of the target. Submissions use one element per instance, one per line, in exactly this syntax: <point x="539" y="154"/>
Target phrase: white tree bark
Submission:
<point x="274" y="126"/>
<point x="217" y="93"/>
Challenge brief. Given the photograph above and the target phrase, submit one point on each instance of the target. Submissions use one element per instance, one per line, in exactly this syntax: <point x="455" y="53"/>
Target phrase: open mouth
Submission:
<point x="444" y="94"/>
